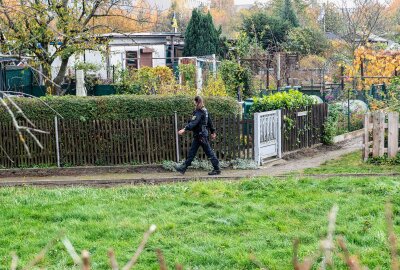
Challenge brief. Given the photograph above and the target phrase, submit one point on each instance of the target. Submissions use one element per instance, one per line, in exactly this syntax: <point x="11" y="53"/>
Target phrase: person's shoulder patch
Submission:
<point x="194" y="117"/>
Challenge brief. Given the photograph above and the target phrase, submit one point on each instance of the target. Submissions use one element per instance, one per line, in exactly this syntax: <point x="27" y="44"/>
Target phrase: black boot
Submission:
<point x="181" y="169"/>
<point x="216" y="171"/>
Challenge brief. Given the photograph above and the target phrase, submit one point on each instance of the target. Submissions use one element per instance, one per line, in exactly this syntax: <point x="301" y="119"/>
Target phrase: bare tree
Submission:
<point x="362" y="20"/>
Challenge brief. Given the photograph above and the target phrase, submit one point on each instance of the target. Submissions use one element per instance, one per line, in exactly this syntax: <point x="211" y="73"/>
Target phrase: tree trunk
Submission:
<point x="59" y="79"/>
<point x="46" y="76"/>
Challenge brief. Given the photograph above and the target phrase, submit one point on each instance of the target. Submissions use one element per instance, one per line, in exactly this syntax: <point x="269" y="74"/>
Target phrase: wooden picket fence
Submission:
<point x="119" y="142"/>
<point x="302" y="128"/>
<point x="381" y="134"/>
<point x="151" y="140"/>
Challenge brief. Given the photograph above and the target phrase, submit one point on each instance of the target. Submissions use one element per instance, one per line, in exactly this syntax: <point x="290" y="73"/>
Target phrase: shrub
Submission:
<point x="282" y="100"/>
<point x="125" y="83"/>
<point x="306" y="41"/>
<point x="215" y="87"/>
<point x="312" y="61"/>
<point x="235" y="76"/>
<point x="331" y="125"/>
<point x="146" y="80"/>
<point x="118" y="107"/>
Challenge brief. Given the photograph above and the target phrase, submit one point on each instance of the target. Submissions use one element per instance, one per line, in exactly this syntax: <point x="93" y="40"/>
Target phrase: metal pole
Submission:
<point x="348" y="109"/>
<point x="180" y="77"/>
<point x="176" y="137"/>
<point x="172" y="51"/>
<point x="113" y="73"/>
<point x="348" y="105"/>
<point x="214" y="65"/>
<point x="323" y="89"/>
<point x="362" y="72"/>
<point x="57" y="141"/>
<point x="342" y="77"/>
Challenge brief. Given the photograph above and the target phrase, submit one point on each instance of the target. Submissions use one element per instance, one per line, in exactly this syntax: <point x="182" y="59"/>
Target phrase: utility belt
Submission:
<point x="203" y="135"/>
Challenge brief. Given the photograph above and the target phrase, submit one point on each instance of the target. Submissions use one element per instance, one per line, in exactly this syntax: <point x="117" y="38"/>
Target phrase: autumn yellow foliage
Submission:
<point x="215" y="87"/>
<point x="378" y="64"/>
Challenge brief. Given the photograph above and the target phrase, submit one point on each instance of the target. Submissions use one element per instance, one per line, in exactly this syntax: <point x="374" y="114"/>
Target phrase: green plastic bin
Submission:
<point x="104" y="90"/>
<point x="246" y="114"/>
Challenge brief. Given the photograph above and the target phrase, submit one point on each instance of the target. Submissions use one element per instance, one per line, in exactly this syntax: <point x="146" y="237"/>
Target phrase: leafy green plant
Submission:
<point x="125" y="82"/>
<point x="244" y="164"/>
<point x="237" y="164"/>
<point x="384" y="160"/>
<point x="330" y="126"/>
<point x="393" y="97"/>
<point x="87" y="67"/>
<point x="292" y="99"/>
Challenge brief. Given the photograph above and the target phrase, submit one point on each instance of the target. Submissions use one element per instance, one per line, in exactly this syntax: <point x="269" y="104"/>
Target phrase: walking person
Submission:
<point x="199" y="124"/>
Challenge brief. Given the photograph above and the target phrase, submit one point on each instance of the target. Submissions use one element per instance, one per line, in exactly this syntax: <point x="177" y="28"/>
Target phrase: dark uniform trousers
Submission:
<point x="203" y="142"/>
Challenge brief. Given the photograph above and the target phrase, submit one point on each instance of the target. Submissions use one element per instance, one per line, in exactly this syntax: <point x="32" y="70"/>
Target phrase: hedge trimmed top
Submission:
<point x="118" y="107"/>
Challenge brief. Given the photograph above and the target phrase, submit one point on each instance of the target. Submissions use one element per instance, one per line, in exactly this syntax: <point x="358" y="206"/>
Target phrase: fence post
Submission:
<point x="393" y="134"/>
<point x="257" y="157"/>
<point x="378" y="134"/>
<point x="366" y="136"/>
<point x="57" y="141"/>
<point x="279" y="131"/>
<point x="176" y="137"/>
<point x="278" y="71"/>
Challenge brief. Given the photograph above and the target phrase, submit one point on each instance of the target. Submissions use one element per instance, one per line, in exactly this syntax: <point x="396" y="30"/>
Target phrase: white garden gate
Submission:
<point x="267" y="135"/>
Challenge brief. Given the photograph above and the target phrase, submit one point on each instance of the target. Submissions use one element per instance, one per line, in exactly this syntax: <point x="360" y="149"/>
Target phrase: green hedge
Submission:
<point x="119" y="107"/>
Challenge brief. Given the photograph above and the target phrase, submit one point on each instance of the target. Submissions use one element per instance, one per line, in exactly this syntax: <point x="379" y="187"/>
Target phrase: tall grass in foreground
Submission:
<point x="322" y="259"/>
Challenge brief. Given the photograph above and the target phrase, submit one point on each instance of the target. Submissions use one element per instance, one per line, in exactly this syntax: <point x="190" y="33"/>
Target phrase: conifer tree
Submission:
<point x="288" y="13"/>
<point x="201" y="37"/>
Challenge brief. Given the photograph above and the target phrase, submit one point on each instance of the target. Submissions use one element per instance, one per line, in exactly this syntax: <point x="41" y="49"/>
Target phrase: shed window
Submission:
<point x="132" y="59"/>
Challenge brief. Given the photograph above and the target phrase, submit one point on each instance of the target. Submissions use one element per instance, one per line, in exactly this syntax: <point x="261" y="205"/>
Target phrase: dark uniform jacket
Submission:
<point x="201" y="121"/>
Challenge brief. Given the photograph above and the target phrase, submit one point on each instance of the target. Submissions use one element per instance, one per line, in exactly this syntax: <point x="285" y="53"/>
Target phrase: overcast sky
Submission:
<point x="242" y="2"/>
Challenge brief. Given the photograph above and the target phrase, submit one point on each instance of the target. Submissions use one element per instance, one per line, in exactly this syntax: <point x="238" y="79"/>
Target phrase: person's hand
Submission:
<point x="180" y="132"/>
<point x="213" y="136"/>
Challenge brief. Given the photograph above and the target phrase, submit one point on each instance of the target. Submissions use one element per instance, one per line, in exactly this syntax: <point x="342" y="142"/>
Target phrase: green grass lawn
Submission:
<point x="209" y="225"/>
<point x="352" y="163"/>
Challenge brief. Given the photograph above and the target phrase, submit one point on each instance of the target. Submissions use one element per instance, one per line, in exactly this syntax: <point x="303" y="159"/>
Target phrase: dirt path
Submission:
<point x="312" y="158"/>
<point x="308" y="158"/>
